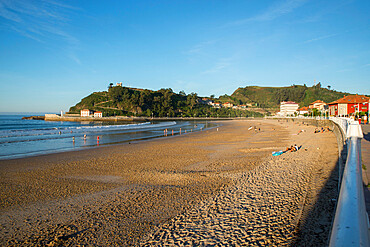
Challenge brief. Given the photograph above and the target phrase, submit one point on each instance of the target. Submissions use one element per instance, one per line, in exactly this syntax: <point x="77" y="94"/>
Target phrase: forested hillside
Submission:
<point x="270" y="97"/>
<point x="126" y="101"/>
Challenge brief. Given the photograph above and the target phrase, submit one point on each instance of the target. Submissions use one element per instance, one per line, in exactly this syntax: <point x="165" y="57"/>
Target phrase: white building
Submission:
<point x="98" y="114"/>
<point x="303" y="110"/>
<point x="227" y="105"/>
<point x="288" y="108"/>
<point x="86" y="113"/>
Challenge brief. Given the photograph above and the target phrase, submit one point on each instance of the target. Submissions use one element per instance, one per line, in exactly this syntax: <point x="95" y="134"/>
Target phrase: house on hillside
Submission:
<point x="86" y="113"/>
<point x="216" y="105"/>
<point x="227" y="105"/>
<point x="206" y="101"/>
<point x="288" y="108"/>
<point x="318" y="104"/>
<point x="349" y="105"/>
<point x="98" y="114"/>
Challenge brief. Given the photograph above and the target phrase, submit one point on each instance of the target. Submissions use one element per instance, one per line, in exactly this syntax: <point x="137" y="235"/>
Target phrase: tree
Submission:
<point x="315" y="112"/>
<point x="192" y="100"/>
<point x="110" y="85"/>
<point x="329" y="87"/>
<point x="116" y="93"/>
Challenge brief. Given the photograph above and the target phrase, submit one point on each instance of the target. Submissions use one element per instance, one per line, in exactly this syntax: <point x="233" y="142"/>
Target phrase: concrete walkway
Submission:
<point x="365" y="152"/>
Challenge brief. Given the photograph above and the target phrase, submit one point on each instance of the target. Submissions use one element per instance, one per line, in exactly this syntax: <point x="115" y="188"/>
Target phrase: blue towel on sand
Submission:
<point x="277" y="153"/>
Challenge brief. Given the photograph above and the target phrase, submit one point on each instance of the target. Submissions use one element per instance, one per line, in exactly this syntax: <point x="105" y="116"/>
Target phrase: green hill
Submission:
<point x="270" y="97"/>
<point x="126" y="101"/>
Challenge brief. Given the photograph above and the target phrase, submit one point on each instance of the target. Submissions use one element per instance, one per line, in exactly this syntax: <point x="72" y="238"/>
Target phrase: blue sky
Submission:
<point x="53" y="53"/>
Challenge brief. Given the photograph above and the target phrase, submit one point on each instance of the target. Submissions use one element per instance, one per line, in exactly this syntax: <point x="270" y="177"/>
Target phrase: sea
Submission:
<point x="23" y="138"/>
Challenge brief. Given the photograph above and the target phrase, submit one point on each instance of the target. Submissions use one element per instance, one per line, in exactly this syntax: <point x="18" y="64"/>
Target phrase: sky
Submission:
<point x="53" y="53"/>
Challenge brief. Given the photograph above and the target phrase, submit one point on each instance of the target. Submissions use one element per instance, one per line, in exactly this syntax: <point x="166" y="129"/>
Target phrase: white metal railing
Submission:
<point x="351" y="224"/>
<point x="343" y="123"/>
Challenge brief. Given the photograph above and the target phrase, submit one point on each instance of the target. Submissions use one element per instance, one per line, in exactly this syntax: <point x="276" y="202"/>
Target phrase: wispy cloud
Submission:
<point x="219" y="66"/>
<point x="273" y="12"/>
<point x="40" y="20"/>
<point x="344" y="70"/>
<point x="199" y="47"/>
<point x="320" y="38"/>
<point x="216" y="68"/>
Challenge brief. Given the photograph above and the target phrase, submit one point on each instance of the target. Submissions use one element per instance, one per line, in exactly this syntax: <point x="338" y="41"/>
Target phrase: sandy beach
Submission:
<point x="219" y="186"/>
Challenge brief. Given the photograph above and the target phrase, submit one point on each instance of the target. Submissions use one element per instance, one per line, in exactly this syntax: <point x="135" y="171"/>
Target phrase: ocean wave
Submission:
<point x="80" y="129"/>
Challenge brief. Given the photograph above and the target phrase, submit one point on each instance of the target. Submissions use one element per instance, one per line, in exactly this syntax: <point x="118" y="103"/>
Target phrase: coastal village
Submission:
<point x="355" y="106"/>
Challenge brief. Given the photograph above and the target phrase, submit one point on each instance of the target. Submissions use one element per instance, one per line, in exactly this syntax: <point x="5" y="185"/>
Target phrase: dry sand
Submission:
<point x="212" y="187"/>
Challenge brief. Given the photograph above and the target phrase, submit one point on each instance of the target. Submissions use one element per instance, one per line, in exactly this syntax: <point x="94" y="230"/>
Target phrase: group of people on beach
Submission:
<point x="255" y="128"/>
<point x="322" y="130"/>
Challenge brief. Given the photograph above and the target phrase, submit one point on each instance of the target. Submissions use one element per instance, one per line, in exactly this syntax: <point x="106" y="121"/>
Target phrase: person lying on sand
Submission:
<point x="326" y="129"/>
<point x="300" y="131"/>
<point x="292" y="148"/>
<point x="317" y="130"/>
<point x="289" y="149"/>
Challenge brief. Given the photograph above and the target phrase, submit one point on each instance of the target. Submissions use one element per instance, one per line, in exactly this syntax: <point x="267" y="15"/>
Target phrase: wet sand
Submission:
<point x="201" y="188"/>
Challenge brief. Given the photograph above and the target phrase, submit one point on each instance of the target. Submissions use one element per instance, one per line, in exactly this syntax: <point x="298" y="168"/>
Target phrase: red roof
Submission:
<point x="305" y="108"/>
<point x="351" y="99"/>
<point x="98" y="112"/>
<point x="289" y="102"/>
<point x="318" y="101"/>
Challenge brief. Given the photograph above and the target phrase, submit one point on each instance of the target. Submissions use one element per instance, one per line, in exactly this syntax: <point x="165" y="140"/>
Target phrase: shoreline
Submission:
<point x="129" y="190"/>
<point x="55" y="117"/>
<point x="81" y="148"/>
